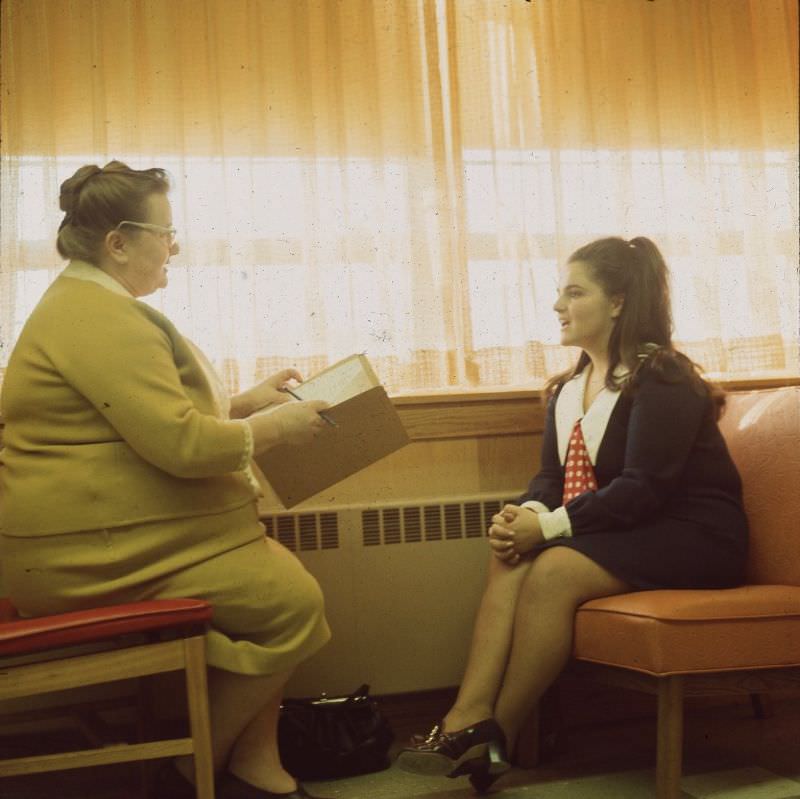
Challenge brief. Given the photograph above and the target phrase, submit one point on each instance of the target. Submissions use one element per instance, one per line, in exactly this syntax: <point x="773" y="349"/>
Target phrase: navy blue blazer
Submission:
<point x="668" y="508"/>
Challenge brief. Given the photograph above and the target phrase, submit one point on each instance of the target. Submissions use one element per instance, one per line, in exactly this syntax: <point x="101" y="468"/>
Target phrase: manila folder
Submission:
<point x="368" y="428"/>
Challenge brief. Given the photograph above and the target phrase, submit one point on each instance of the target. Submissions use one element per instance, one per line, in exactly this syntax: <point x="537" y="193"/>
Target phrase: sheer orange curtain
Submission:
<point x="402" y="178"/>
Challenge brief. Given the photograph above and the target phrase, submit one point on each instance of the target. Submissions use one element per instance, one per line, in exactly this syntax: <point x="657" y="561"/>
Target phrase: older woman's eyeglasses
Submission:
<point x="168" y="233"/>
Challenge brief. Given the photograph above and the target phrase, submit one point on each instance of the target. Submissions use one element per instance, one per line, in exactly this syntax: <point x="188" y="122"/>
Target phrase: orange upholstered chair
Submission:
<point x="739" y="640"/>
<point x="48" y="653"/>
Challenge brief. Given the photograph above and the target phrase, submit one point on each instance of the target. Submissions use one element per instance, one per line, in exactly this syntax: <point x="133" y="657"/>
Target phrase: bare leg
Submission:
<point x="244" y="718"/>
<point x="255" y="757"/>
<point x="491" y="643"/>
<point x="559" y="580"/>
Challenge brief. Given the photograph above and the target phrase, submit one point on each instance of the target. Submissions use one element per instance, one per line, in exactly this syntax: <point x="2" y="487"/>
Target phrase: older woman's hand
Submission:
<point x="300" y="421"/>
<point x="296" y="423"/>
<point x="267" y="392"/>
<point x="514" y="531"/>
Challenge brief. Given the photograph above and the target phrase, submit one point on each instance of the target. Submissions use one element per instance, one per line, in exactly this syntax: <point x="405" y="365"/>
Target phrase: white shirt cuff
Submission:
<point x="535" y="506"/>
<point x="555" y="524"/>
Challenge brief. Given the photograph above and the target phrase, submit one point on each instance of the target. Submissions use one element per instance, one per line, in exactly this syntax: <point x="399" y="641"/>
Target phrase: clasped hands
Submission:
<point x="514" y="531"/>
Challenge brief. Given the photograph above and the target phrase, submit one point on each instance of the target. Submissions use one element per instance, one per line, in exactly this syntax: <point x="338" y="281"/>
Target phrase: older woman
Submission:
<point x="127" y="473"/>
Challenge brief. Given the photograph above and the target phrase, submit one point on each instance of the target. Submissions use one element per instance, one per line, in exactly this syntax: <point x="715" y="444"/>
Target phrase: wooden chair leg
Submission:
<point x="145" y="727"/>
<point x="670" y="738"/>
<point x="199" y="718"/>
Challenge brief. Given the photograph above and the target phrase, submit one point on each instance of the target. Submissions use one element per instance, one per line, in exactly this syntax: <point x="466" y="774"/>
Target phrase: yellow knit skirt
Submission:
<point x="268" y="610"/>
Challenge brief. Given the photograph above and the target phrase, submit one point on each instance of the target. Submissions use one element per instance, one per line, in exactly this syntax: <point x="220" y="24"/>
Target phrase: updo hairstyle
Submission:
<point x="96" y="200"/>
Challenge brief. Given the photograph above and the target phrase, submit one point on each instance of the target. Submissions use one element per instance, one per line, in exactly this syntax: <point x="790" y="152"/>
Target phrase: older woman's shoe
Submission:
<point x="231" y="787"/>
<point x="480" y="748"/>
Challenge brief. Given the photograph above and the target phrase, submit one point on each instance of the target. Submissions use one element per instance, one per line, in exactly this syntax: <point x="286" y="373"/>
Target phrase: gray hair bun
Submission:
<point x="71" y="188"/>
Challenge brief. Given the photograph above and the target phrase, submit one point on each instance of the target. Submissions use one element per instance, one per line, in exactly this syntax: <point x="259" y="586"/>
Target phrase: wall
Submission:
<point x="401" y="609"/>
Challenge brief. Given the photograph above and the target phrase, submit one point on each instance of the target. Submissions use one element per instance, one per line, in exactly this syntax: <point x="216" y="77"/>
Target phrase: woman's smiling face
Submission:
<point x="149" y="251"/>
<point x="586" y="313"/>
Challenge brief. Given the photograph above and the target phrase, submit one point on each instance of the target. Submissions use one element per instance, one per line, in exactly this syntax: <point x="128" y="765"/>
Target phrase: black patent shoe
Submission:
<point x="169" y="783"/>
<point x="231" y="787"/>
<point x="476" y="749"/>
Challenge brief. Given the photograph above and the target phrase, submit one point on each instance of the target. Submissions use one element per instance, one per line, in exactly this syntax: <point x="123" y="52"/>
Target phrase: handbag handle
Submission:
<point x="361" y="694"/>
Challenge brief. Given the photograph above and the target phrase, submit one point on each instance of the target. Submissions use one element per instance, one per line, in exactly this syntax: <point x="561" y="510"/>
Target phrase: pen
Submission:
<point x="323" y="416"/>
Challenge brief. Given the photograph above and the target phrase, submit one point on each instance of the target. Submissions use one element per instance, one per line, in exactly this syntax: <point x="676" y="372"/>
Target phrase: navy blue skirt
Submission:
<point x="667" y="553"/>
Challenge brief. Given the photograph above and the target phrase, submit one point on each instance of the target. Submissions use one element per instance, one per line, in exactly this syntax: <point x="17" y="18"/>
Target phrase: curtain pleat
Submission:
<point x="403" y="178"/>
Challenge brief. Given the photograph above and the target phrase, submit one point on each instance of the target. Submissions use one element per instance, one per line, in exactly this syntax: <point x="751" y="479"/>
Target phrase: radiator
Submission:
<point x="402" y="583"/>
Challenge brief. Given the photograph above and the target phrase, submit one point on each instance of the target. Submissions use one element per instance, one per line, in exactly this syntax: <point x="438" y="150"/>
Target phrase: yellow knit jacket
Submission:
<point x="110" y="420"/>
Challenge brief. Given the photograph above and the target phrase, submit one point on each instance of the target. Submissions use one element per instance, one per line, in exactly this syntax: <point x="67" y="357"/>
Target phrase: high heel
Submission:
<point x="485" y="772"/>
<point x="482" y="781"/>
<point x="497" y="756"/>
<point x="452" y="754"/>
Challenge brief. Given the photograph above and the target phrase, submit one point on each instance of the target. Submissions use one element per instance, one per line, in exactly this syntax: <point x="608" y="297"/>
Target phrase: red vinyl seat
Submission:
<point x="45" y="654"/>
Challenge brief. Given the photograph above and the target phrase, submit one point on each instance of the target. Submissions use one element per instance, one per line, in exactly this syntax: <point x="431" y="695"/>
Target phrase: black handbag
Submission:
<point x="333" y="736"/>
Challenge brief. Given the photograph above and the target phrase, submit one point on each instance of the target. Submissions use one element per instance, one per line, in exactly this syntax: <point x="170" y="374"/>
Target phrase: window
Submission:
<point x="404" y="179"/>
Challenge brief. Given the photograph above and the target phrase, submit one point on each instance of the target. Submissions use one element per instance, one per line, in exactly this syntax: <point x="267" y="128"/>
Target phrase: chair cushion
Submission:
<point x="22" y="635"/>
<point x="688" y="631"/>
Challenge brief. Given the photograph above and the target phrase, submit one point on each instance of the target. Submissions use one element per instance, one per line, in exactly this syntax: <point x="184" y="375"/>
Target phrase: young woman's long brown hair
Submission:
<point x="636" y="271"/>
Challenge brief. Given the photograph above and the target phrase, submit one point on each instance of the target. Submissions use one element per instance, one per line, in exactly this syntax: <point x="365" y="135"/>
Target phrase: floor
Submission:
<point x="602" y="747"/>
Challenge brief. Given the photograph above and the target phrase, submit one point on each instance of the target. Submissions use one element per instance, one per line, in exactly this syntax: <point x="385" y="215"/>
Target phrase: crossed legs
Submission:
<point x="491" y="644"/>
<point x="523" y="635"/>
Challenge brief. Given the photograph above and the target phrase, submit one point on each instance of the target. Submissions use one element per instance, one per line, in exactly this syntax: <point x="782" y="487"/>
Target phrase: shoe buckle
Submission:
<point x="434" y="734"/>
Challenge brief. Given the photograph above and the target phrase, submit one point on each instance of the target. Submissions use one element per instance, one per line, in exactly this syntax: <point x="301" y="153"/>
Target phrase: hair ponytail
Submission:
<point x="646" y="317"/>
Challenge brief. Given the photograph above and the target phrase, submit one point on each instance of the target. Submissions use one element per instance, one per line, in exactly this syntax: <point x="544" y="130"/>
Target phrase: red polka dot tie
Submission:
<point x="578" y="471"/>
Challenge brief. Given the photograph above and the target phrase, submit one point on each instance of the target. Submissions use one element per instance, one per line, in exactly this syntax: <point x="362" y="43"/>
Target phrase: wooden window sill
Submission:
<point x="480" y="413"/>
<point x="495" y="412"/>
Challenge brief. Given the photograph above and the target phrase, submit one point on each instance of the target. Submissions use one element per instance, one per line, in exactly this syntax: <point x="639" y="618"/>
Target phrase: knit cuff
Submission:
<point x="247" y="455"/>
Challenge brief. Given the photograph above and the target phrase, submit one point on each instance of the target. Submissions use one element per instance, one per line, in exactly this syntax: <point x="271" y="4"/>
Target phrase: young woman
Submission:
<point x="636" y="491"/>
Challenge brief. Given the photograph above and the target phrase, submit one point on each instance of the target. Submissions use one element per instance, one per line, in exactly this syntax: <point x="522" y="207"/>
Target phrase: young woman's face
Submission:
<point x="150" y="250"/>
<point x="586" y="313"/>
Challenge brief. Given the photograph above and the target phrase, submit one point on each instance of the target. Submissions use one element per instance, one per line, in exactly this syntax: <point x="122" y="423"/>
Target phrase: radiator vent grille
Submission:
<point x="415" y="523"/>
<point x="399" y="524"/>
<point x="304" y="531"/>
